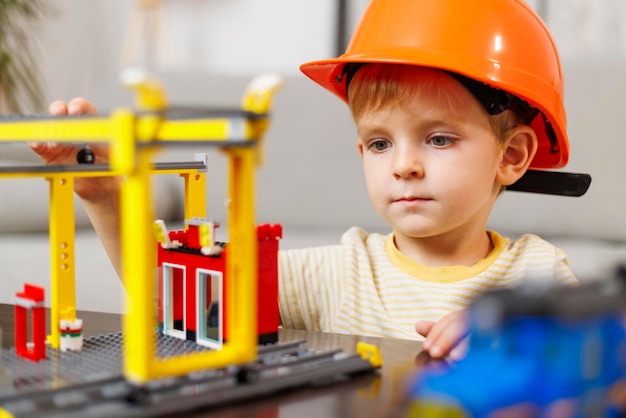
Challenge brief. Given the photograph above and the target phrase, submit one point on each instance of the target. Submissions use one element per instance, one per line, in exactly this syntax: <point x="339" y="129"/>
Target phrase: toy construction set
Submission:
<point x="215" y="327"/>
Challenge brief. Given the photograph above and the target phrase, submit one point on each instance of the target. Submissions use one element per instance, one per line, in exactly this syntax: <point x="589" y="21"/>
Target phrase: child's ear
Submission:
<point x="517" y="153"/>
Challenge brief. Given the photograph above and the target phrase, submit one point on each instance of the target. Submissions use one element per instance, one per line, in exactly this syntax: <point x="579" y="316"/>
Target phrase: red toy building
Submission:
<point x="192" y="278"/>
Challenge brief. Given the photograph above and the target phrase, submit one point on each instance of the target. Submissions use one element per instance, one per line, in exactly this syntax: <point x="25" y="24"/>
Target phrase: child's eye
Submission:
<point x="379" y="145"/>
<point x="441" y="141"/>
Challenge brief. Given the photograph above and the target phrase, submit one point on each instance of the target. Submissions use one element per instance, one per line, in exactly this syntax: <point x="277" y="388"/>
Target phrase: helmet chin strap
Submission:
<point x="552" y="182"/>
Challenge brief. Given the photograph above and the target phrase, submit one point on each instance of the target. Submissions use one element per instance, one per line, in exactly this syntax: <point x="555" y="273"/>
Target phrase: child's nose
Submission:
<point x="407" y="163"/>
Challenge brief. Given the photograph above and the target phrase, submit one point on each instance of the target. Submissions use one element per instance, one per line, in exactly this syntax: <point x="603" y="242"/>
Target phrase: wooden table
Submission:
<point x="375" y="395"/>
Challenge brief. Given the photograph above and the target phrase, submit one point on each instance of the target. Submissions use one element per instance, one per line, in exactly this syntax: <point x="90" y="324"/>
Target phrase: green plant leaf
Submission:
<point x="21" y="86"/>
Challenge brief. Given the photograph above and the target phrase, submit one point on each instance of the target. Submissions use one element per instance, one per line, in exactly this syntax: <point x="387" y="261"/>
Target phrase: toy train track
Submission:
<point x="99" y="391"/>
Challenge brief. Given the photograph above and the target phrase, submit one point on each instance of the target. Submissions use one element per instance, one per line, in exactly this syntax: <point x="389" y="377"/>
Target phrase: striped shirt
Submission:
<point x="365" y="286"/>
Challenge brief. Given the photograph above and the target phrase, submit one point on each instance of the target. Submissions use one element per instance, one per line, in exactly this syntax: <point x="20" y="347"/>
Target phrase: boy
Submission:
<point x="452" y="101"/>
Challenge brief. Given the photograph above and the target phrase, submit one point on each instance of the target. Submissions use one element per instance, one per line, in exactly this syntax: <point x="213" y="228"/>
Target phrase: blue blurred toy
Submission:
<point x="536" y="350"/>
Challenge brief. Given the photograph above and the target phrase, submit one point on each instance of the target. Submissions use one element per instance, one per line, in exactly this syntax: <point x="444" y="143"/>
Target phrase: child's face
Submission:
<point x="430" y="162"/>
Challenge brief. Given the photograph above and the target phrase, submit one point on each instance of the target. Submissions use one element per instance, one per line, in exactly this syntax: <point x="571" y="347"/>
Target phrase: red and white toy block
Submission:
<point x="31" y="299"/>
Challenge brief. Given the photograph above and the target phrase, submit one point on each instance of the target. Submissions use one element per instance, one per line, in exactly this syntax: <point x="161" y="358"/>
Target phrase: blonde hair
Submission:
<point x="377" y="86"/>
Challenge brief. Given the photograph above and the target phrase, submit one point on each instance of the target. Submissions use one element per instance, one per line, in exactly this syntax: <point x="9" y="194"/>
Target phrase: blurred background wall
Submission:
<point x="206" y="51"/>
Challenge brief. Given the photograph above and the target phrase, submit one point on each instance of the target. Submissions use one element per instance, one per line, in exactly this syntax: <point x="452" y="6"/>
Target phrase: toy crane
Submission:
<point x="134" y="137"/>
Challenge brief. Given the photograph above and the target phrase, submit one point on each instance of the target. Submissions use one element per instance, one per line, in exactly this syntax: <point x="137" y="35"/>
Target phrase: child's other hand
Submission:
<point x="446" y="337"/>
<point x="53" y="153"/>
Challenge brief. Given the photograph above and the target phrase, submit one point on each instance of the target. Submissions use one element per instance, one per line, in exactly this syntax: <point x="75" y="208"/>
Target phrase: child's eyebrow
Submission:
<point x="432" y="121"/>
<point x="371" y="126"/>
<point x="448" y="122"/>
<point x="365" y="135"/>
<point x="444" y="122"/>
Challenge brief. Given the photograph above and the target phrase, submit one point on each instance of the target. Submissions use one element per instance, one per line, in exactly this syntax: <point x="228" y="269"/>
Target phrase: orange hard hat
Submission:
<point x="501" y="43"/>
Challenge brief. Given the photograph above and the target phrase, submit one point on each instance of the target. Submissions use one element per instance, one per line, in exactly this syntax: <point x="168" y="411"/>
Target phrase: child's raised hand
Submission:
<point x="445" y="337"/>
<point x="52" y="153"/>
<point x="55" y="153"/>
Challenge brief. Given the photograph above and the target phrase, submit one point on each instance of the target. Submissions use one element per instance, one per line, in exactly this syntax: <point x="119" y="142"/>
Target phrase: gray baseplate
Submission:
<point x="90" y="382"/>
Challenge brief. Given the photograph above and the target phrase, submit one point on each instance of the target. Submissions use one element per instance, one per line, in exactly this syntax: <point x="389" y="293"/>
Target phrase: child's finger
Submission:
<point x="80" y="106"/>
<point x="43" y="149"/>
<point x="424" y="327"/>
<point x="446" y="334"/>
<point x="57" y="108"/>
